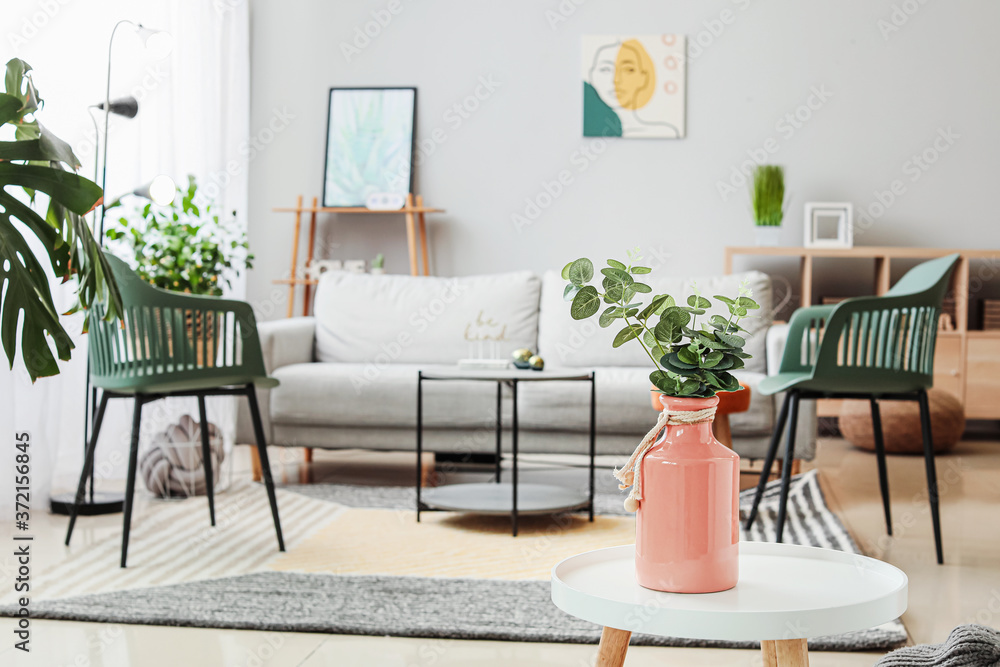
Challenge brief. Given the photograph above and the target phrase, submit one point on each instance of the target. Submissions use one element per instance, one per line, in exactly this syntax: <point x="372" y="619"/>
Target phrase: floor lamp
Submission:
<point x="157" y="42"/>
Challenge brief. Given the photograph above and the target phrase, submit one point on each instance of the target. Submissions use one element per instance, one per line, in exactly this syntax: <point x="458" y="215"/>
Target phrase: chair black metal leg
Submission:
<point x="133" y="458"/>
<point x="88" y="466"/>
<point x="786" y="464"/>
<point x="769" y="460"/>
<point x="206" y="455"/>
<point x="258" y="429"/>
<point x="883" y="477"/>
<point x="932" y="488"/>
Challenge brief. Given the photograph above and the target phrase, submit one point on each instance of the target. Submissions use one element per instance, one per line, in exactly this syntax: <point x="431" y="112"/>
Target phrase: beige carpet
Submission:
<point x="371" y="541"/>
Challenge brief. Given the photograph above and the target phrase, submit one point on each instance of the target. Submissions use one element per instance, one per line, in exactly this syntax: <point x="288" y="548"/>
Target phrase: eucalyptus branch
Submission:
<point x="648" y="353"/>
<point x="692" y="362"/>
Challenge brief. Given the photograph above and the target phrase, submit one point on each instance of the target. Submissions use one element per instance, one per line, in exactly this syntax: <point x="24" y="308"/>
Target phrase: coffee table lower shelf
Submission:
<point x="498" y="499"/>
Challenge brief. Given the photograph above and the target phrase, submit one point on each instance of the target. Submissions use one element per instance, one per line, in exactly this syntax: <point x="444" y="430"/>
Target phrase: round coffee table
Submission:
<point x="513" y="498"/>
<point x="786" y="594"/>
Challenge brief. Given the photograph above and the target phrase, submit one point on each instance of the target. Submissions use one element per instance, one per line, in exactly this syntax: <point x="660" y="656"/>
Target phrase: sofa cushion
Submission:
<point x="564" y="341"/>
<point x="381" y="320"/>
<point x="345" y="394"/>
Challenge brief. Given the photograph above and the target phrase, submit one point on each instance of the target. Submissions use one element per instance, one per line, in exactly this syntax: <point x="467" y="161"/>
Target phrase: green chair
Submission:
<point x="174" y="344"/>
<point x="868" y="348"/>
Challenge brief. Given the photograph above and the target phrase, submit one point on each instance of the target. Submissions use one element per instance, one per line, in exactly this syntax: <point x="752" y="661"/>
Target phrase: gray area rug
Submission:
<point x="437" y="608"/>
<point x="442" y="608"/>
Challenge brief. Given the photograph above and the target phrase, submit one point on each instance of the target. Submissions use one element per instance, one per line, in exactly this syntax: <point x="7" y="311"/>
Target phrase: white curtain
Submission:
<point x="193" y="118"/>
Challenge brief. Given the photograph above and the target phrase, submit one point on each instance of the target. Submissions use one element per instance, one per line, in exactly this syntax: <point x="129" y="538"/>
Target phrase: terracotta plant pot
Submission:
<point x="687" y="524"/>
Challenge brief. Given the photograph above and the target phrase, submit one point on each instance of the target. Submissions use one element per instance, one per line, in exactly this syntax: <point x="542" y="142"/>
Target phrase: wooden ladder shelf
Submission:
<point x="416" y="235"/>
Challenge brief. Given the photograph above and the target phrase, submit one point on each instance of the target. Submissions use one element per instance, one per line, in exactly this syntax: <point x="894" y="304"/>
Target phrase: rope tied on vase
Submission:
<point x="631" y="473"/>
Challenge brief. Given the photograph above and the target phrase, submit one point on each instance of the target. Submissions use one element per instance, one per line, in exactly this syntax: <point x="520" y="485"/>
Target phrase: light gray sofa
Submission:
<point x="349" y="374"/>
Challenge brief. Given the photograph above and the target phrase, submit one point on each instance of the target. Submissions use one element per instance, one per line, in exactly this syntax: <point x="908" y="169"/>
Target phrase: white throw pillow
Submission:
<point x="362" y="318"/>
<point x="563" y="341"/>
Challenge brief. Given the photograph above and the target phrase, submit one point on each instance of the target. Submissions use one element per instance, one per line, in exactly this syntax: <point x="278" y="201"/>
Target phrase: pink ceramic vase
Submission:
<point x="687" y="524"/>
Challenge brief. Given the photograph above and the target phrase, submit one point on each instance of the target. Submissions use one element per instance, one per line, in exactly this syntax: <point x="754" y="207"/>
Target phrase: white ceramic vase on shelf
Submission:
<point x="768" y="235"/>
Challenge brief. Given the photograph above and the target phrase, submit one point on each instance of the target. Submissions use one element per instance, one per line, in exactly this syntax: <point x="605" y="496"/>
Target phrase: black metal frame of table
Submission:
<point x="511" y="379"/>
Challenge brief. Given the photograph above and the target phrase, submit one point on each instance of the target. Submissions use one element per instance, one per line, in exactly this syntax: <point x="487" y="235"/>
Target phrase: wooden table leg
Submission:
<point x="295" y="255"/>
<point x="307" y="292"/>
<point x="423" y="234"/>
<point x="256" y="470"/>
<point x="411" y="235"/>
<point x="723" y="432"/>
<point x="614" y="646"/>
<point x="785" y="653"/>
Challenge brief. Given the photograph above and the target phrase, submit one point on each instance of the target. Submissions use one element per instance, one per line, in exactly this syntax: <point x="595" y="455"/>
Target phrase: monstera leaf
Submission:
<point x="36" y="162"/>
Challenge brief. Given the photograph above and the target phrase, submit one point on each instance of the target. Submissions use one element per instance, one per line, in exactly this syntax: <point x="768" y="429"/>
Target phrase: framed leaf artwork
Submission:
<point x="369" y="144"/>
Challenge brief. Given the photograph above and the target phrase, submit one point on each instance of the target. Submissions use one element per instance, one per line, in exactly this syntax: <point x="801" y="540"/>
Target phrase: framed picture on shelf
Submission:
<point x="369" y="144"/>
<point x="829" y="225"/>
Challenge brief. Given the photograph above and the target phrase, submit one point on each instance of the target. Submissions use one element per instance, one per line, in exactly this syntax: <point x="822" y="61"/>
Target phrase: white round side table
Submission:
<point x="786" y="594"/>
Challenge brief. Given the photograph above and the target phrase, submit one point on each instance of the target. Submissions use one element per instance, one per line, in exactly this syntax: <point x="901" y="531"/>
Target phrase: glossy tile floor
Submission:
<point x="966" y="589"/>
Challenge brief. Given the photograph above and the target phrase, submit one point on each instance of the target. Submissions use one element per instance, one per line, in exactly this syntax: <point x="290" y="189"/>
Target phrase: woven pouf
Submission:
<point x="901" y="423"/>
<point x="173" y="466"/>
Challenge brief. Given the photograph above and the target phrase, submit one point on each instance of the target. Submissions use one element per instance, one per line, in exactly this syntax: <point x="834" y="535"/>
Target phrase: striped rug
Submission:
<point x="172" y="542"/>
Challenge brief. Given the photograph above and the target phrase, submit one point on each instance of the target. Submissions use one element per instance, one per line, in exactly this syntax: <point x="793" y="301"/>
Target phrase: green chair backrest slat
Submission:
<point x="171" y="337"/>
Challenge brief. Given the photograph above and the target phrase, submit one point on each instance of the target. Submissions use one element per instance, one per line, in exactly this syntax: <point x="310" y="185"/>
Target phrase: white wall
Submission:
<point x="890" y="95"/>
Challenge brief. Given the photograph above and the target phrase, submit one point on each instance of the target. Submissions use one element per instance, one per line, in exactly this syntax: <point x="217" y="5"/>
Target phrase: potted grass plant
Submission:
<point x="684" y="483"/>
<point x="768" y="199"/>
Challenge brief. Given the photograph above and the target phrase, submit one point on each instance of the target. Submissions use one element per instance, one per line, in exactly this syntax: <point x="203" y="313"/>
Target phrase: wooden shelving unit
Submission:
<point x="966" y="362"/>
<point x="416" y="236"/>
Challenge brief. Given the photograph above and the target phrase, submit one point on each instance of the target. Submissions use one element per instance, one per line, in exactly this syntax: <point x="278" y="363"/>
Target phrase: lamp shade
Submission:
<point x="123" y="106"/>
<point x="158" y="43"/>
<point x="161" y="190"/>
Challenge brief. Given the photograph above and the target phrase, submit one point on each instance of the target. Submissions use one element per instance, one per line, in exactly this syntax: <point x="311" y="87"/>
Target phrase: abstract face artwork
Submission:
<point x="634" y="87"/>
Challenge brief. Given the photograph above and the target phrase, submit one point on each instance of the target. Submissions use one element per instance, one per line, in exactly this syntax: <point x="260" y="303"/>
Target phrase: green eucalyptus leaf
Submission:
<point x="565" y="271"/>
<point x="658" y="302"/>
<point x="724" y="299"/>
<point x="667" y="331"/>
<point x="640" y="270"/>
<point x="730" y="339"/>
<point x="747" y="302"/>
<point x="672" y="359"/>
<point x="626" y="334"/>
<point x="581" y="271"/>
<point x="649" y="339"/>
<point x="711" y="359"/>
<point x="688" y="387"/>
<point x="678" y="315"/>
<point x="642" y="288"/>
<point x="735" y="363"/>
<point x="725" y="364"/>
<point x="586" y="302"/>
<point x="618" y="274"/>
<point x="614" y="291"/>
<point x="615" y="264"/>
<point x="662" y="381"/>
<point x="710" y="342"/>
<point x="713" y="380"/>
<point x="609" y="316"/>
<point x="696" y="301"/>
<point x="570" y="291"/>
<point x="728" y="381"/>
<point x="688" y="356"/>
